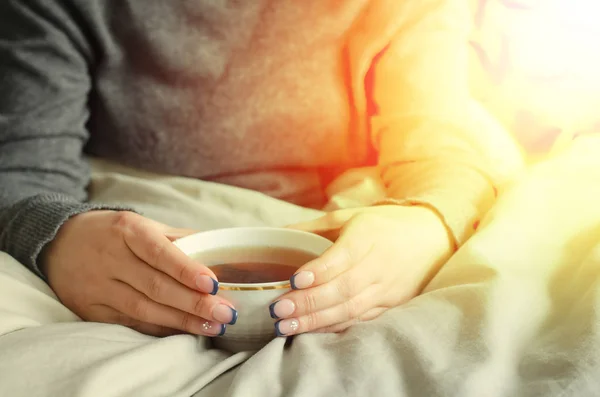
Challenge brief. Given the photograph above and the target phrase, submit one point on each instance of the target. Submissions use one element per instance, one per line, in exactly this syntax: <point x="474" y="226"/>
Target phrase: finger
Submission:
<point x="106" y="314"/>
<point x="163" y="289"/>
<point x="368" y="316"/>
<point x="331" y="235"/>
<point x="146" y="240"/>
<point x="156" y="330"/>
<point x="331" y="220"/>
<point x="138" y="306"/>
<point x="345" y="253"/>
<point x="331" y="264"/>
<point x="342" y="289"/>
<point x="175" y="234"/>
<point x="347" y="311"/>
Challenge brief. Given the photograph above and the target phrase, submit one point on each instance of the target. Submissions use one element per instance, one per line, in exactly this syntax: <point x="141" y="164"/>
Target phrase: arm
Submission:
<point x="44" y="85"/>
<point x="432" y="151"/>
<point x="105" y="266"/>
<point x="435" y="161"/>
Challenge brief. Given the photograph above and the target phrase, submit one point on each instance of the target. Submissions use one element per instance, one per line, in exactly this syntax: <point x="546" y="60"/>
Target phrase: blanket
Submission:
<point x="515" y="313"/>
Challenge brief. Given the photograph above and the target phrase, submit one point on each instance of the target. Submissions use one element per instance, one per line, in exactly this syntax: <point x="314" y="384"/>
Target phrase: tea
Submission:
<point x="249" y="265"/>
<point x="252" y="272"/>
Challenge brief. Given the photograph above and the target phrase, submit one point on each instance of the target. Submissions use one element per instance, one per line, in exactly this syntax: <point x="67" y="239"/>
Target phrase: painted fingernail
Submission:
<point x="282" y="308"/>
<point x="225" y="314"/>
<point x="286" y="327"/>
<point x="234" y="316"/>
<point x="211" y="328"/>
<point x="302" y="280"/>
<point x="207" y="284"/>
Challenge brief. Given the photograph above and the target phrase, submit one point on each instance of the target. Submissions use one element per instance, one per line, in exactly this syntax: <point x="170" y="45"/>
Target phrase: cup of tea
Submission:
<point x="254" y="266"/>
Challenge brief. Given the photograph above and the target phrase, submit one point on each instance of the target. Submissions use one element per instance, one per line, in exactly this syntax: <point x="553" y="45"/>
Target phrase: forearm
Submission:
<point x="435" y="149"/>
<point x="459" y="194"/>
<point x="459" y="174"/>
<point x="29" y="224"/>
<point x="451" y="172"/>
<point x="43" y="113"/>
<point x="40" y="189"/>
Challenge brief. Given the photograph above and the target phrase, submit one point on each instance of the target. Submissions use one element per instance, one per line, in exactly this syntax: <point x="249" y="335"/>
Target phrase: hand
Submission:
<point x="384" y="256"/>
<point x="121" y="268"/>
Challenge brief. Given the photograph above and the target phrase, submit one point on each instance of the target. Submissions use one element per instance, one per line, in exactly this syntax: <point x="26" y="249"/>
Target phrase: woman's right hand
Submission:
<point x="122" y="268"/>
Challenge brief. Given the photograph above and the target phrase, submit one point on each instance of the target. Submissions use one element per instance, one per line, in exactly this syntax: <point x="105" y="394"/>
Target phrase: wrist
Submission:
<point x="429" y="217"/>
<point x="52" y="250"/>
<point x="441" y="234"/>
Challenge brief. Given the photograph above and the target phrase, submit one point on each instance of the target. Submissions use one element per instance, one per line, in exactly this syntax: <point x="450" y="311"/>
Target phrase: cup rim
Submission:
<point x="285" y="284"/>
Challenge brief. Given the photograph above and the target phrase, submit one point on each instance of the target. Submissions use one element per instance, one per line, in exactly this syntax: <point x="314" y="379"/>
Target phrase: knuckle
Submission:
<point x="339" y="261"/>
<point x="310" y="303"/>
<point x="323" y="268"/>
<point x="139" y="309"/>
<point x="155" y="287"/>
<point x="125" y="320"/>
<point x="370" y="315"/>
<point x="352" y="309"/>
<point x="199" y="305"/>
<point x="155" y="250"/>
<point x="346" y="254"/>
<point x="346" y="288"/>
<point x="312" y="321"/>
<point x="185" y="274"/>
<point x="186" y="322"/>
<point x="125" y="219"/>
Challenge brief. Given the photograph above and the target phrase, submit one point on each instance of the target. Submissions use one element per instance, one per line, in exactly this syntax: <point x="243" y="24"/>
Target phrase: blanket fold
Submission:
<point x="516" y="312"/>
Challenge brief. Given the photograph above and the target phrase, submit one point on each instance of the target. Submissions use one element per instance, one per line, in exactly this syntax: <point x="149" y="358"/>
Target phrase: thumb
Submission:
<point x="332" y="221"/>
<point x="172" y="233"/>
<point x="175" y="234"/>
<point x="333" y="262"/>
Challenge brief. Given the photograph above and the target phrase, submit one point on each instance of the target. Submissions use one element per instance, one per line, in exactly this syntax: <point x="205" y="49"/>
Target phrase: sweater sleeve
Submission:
<point x="431" y="152"/>
<point x="44" y="85"/>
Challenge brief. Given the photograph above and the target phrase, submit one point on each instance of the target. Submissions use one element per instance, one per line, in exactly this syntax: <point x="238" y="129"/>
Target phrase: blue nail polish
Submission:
<point x="234" y="316"/>
<point x="277" y="331"/>
<point x="293" y="282"/>
<point x="272" y="310"/>
<point x="223" y="329"/>
<point x="215" y="286"/>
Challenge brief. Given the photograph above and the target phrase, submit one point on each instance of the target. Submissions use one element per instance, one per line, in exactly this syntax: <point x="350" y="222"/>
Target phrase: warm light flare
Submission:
<point x="547" y="58"/>
<point x="558" y="39"/>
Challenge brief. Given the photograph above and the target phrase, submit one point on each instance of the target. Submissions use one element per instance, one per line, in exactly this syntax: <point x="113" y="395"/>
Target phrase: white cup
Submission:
<point x="254" y="327"/>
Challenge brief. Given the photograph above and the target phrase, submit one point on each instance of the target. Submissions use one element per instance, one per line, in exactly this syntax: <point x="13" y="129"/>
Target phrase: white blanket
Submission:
<point x="515" y="312"/>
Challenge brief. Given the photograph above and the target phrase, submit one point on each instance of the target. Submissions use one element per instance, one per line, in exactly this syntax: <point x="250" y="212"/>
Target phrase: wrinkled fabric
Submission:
<point x="515" y="313"/>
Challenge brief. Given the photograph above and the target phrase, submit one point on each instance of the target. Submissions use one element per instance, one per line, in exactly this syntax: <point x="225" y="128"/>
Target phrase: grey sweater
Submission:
<point x="271" y="95"/>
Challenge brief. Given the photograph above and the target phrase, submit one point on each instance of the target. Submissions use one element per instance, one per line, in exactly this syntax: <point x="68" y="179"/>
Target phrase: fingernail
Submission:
<point x="286" y="327"/>
<point x="234" y="316"/>
<point x="302" y="280"/>
<point x="282" y="308"/>
<point x="207" y="284"/>
<point x="225" y="314"/>
<point x="211" y="328"/>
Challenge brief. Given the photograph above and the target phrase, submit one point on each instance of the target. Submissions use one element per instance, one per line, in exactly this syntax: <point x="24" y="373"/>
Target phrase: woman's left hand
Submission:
<point x="382" y="257"/>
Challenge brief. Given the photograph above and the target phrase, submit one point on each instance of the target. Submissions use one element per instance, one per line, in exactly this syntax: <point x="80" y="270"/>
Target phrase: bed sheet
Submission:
<point x="516" y="312"/>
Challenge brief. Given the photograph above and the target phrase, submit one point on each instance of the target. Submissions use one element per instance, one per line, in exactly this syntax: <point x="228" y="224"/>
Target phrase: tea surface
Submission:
<point x="249" y="265"/>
